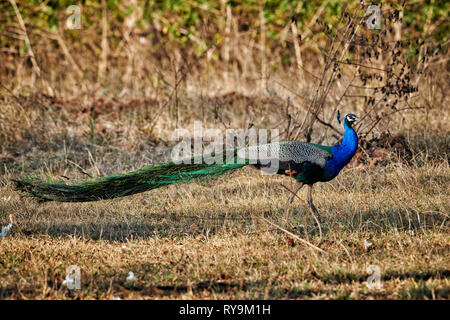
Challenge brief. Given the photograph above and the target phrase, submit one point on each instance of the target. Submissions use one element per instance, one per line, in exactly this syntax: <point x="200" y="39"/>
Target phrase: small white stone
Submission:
<point x="367" y="244"/>
<point x="5" y="230"/>
<point x="131" y="277"/>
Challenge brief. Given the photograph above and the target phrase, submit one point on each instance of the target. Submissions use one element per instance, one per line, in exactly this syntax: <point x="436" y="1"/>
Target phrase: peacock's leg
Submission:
<point x="310" y="202"/>
<point x="290" y="199"/>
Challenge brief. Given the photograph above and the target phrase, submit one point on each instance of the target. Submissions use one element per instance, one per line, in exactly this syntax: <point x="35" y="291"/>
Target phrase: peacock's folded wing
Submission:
<point x="286" y="152"/>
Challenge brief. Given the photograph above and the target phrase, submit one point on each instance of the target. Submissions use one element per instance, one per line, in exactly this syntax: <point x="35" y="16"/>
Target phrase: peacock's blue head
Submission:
<point x="349" y="119"/>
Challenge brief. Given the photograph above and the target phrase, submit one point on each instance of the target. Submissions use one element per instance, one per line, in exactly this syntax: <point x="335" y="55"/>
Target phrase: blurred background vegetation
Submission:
<point x="164" y="29"/>
<point x="151" y="66"/>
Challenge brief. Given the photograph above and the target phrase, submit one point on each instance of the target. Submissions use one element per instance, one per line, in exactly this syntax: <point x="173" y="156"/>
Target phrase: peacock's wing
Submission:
<point x="291" y="152"/>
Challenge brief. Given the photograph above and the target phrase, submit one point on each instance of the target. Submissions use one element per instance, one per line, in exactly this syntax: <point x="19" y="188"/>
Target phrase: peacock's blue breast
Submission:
<point x="342" y="154"/>
<point x="310" y="172"/>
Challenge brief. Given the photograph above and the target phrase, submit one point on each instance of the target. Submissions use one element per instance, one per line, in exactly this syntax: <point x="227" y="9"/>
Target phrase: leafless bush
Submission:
<point x="364" y="70"/>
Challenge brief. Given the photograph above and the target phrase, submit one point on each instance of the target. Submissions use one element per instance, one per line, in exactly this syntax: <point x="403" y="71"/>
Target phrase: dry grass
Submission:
<point x="206" y="241"/>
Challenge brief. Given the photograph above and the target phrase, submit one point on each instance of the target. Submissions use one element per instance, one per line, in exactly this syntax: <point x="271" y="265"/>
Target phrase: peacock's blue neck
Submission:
<point x="343" y="153"/>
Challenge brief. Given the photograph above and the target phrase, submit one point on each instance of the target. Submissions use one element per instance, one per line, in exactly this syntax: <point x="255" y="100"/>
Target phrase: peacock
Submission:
<point x="307" y="163"/>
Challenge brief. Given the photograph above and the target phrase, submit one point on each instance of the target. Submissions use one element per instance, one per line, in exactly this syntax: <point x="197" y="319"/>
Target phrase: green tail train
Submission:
<point x="147" y="178"/>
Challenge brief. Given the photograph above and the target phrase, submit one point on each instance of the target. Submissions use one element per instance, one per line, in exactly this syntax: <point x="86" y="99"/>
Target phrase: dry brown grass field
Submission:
<point x="87" y="114"/>
<point x="206" y="240"/>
